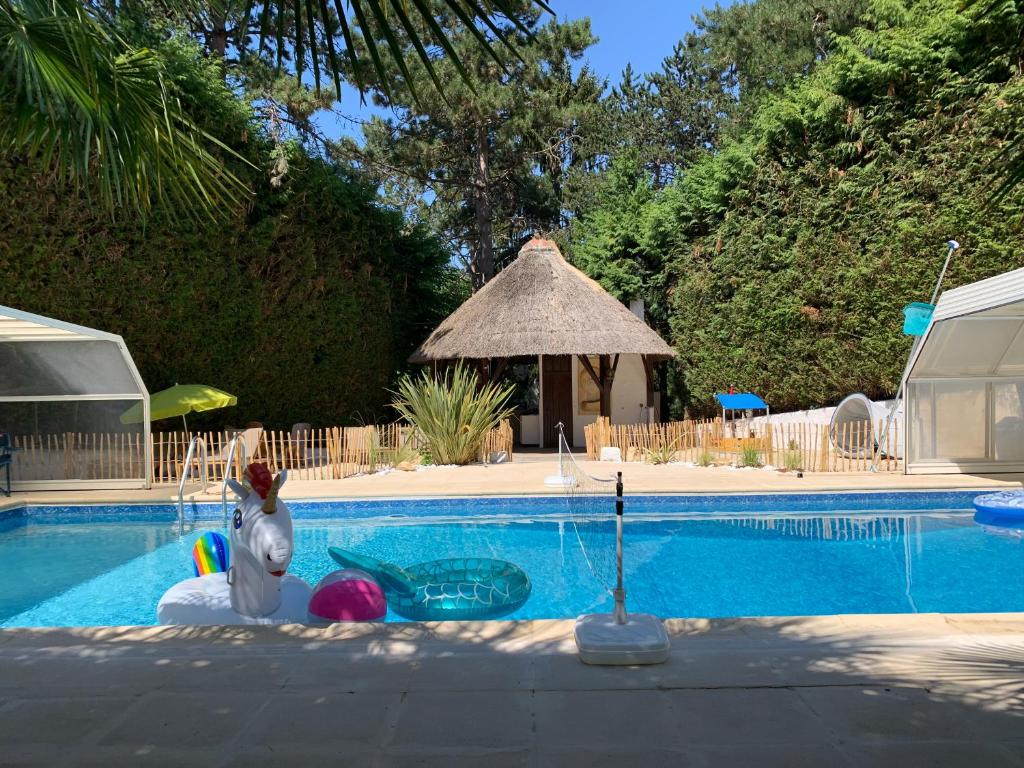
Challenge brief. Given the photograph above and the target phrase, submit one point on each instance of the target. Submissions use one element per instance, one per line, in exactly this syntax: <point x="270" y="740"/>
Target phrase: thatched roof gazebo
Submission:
<point x="543" y="308"/>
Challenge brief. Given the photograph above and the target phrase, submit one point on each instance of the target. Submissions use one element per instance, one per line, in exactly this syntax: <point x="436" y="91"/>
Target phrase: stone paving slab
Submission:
<point x="527" y="478"/>
<point x="839" y="691"/>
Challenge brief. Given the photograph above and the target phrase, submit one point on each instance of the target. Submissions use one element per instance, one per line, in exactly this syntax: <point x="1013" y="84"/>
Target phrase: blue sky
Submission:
<point x="641" y="32"/>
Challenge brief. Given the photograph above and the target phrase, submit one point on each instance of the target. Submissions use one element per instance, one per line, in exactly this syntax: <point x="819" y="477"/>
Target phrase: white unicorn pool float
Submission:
<point x="256" y="588"/>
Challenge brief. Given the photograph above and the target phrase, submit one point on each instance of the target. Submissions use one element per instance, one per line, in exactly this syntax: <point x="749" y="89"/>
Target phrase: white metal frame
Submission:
<point x="186" y="471"/>
<point x="236" y="442"/>
<point x="18" y="326"/>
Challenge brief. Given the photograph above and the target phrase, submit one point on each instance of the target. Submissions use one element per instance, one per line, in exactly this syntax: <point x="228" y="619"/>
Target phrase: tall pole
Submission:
<point x="620" y="593"/>
<point x="561" y="467"/>
<point x="952" y="245"/>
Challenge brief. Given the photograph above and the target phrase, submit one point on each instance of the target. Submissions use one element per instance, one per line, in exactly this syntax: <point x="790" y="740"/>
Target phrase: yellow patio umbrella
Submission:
<point x="179" y="400"/>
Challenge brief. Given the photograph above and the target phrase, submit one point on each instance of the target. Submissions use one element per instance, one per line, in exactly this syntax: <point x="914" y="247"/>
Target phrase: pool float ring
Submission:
<point x="1004" y="509"/>
<point x="347" y="595"/>
<point x="453" y="589"/>
<point x="210" y="554"/>
<point x="255" y="589"/>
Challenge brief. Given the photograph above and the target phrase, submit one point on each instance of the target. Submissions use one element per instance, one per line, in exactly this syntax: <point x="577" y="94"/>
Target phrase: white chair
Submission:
<point x="304" y="449"/>
<point x="251" y="439"/>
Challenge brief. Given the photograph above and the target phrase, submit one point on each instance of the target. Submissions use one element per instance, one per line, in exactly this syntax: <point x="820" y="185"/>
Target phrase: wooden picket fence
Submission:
<point x="327" y="453"/>
<point x="78" y="456"/>
<point x="498" y="441"/>
<point x="792" y="446"/>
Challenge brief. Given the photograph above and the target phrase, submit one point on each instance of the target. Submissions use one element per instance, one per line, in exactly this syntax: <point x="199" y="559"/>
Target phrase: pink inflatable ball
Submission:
<point x="347" y="595"/>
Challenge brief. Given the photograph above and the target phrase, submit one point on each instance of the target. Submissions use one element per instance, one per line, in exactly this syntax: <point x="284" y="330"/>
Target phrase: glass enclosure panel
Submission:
<point x="1016" y="309"/>
<point x="1008" y="420"/>
<point x="33" y="368"/>
<point x="1012" y="363"/>
<point x="948" y="421"/>
<point x="73" y="440"/>
<point x="964" y="347"/>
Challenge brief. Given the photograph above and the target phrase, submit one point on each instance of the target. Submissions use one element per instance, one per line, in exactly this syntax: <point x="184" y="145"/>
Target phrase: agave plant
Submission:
<point x="452" y="412"/>
<point x="663" y="454"/>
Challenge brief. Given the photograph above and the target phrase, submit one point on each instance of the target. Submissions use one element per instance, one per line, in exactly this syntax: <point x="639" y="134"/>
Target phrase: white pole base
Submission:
<point x="560" y="481"/>
<point x="641" y="640"/>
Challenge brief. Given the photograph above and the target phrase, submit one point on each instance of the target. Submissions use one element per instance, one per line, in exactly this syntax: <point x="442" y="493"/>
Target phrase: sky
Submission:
<point x="641" y="32"/>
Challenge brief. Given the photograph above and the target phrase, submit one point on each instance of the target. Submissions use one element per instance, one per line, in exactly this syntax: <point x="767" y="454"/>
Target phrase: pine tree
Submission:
<point x="487" y="163"/>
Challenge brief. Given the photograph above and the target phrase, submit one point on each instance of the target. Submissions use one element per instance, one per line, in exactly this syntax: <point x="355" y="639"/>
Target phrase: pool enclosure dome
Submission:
<point x="965" y="382"/>
<point x="63" y="388"/>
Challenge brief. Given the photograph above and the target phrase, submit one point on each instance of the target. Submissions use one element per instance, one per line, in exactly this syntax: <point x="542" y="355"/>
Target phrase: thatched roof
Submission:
<point x="541" y="305"/>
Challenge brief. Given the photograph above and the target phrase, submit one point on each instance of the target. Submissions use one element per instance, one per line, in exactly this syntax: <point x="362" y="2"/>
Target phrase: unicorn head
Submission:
<point x="261" y="542"/>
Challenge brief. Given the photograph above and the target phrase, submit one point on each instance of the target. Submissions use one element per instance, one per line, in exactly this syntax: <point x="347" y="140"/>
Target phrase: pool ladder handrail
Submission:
<point x="235" y="442"/>
<point x="185" y="472"/>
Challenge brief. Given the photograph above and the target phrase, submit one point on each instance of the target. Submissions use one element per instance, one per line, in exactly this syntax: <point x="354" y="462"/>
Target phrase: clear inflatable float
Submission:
<point x="451" y="589"/>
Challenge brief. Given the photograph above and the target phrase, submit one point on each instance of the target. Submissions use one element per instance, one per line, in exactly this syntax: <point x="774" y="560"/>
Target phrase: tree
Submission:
<point x="671" y="117"/>
<point x="80" y="101"/>
<point x="759" y="48"/>
<point x="791" y="250"/>
<point x="486" y="164"/>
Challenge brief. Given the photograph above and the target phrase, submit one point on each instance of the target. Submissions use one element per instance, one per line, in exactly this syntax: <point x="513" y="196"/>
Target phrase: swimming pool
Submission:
<point x="709" y="556"/>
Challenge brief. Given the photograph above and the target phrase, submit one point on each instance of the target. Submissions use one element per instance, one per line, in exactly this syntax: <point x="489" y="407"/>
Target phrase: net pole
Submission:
<point x="619" y="592"/>
<point x="952" y="246"/>
<point x="561" y="439"/>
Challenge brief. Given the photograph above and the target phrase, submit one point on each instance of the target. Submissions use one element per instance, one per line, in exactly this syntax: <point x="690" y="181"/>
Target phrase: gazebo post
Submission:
<point x="498" y="368"/>
<point x="540" y="401"/>
<point x="602" y="383"/>
<point x="483" y="366"/>
<point x="606" y="377"/>
<point x="649" y="379"/>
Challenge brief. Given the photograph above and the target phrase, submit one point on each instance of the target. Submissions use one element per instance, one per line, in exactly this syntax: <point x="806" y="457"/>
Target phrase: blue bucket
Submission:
<point x="916" y="317"/>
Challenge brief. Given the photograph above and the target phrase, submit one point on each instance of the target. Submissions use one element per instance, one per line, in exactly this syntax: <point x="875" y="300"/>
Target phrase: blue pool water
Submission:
<point x="713" y="556"/>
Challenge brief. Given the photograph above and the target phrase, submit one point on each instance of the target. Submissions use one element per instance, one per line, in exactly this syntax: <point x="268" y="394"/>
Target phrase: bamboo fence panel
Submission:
<point x="77" y="456"/>
<point x="803" y="446"/>
<point x="323" y="453"/>
<point x="498" y="441"/>
<point x="327" y="453"/>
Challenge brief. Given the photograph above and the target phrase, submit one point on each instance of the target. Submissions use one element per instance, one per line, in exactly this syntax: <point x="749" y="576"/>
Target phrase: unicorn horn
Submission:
<point x="270" y="503"/>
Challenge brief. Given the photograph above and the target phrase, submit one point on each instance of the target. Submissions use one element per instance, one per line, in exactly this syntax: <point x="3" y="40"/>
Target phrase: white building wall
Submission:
<point x="629" y="391"/>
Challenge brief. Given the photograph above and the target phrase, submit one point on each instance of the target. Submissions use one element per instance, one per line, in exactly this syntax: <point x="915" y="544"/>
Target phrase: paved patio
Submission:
<point x="903" y="690"/>
<point x="833" y="691"/>
<point x="525" y="477"/>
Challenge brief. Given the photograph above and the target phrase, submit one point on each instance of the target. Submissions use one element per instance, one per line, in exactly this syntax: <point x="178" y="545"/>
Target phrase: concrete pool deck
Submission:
<point x="525" y="476"/>
<point x="902" y="690"/>
<point x="935" y="690"/>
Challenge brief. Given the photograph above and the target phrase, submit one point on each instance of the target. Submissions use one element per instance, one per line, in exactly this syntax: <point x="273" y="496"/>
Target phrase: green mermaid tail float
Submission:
<point x="452" y="589"/>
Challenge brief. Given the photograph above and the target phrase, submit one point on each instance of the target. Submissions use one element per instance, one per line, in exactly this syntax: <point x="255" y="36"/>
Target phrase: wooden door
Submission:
<point x="557" y="398"/>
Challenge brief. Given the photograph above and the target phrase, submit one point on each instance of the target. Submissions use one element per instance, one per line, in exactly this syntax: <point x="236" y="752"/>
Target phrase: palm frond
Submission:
<point x="87" y="106"/>
<point x="416" y="19"/>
